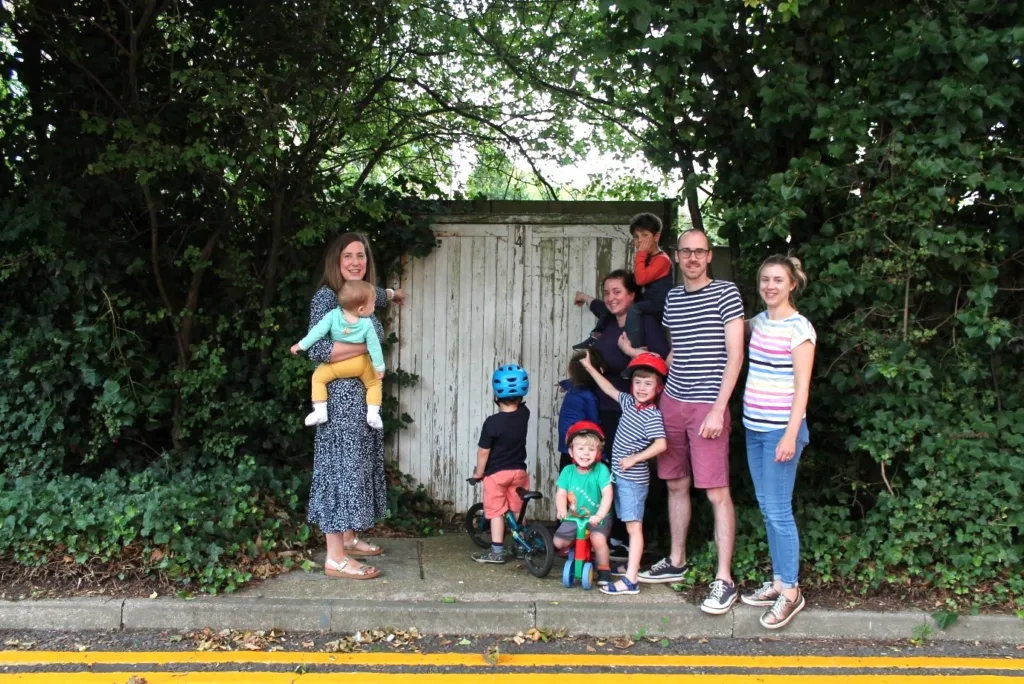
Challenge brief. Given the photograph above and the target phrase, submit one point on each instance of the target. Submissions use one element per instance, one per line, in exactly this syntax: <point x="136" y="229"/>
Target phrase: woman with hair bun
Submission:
<point x="781" y="357"/>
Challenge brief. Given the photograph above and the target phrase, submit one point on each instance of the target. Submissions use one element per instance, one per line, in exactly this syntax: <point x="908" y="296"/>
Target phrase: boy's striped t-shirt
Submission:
<point x="638" y="427"/>
<point x="768" y="397"/>
<point x="696" y="322"/>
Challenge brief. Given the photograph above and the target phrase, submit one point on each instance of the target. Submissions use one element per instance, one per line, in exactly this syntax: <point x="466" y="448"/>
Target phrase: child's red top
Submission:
<point x="650" y="267"/>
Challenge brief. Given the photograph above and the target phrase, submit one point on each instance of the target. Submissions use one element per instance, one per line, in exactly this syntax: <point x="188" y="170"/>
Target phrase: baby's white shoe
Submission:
<point x="319" y="414"/>
<point x="373" y="417"/>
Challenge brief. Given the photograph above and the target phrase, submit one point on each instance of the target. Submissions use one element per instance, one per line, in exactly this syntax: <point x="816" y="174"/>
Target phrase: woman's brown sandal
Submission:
<point x="333" y="568"/>
<point x="352" y="548"/>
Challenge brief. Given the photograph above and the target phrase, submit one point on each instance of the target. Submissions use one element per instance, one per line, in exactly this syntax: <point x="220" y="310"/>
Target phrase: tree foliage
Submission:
<point x="171" y="172"/>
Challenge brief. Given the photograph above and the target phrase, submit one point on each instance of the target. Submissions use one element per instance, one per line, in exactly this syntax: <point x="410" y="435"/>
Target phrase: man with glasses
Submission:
<point x="704" y="318"/>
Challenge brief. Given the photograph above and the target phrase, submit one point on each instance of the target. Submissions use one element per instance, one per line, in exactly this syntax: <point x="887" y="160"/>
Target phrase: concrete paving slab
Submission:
<point x="624" y="617"/>
<point x="434" y="617"/>
<point x="829" y="624"/>
<point x="449" y="557"/>
<point x="227" y="613"/>
<point x="399" y="563"/>
<point x="72" y="614"/>
<point x="995" y="629"/>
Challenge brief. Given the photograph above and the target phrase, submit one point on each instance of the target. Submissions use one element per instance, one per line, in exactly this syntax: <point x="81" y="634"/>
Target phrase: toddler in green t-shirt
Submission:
<point x="584" y="490"/>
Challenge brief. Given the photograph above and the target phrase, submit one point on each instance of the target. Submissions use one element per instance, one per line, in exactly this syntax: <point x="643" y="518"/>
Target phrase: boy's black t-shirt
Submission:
<point x="504" y="433"/>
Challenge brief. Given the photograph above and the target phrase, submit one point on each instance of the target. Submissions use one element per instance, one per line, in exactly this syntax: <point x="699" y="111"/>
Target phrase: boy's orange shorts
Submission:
<point x="500" y="492"/>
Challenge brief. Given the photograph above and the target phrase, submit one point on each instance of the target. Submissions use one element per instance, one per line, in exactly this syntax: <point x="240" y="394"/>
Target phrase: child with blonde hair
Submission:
<point x="351" y="323"/>
<point x="639" y="438"/>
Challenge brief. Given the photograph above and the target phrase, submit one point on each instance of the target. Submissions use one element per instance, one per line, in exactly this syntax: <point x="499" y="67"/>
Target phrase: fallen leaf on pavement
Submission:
<point x="622" y="642"/>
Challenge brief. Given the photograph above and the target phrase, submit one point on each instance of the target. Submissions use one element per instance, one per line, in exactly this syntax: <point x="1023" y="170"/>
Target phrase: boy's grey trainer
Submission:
<point x="663" y="572"/>
<point x="489" y="556"/>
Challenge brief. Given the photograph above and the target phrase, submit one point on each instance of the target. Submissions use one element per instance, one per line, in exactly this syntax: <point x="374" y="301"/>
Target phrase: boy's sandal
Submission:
<point x="340" y="569"/>
<point x="631" y="587"/>
<point x="352" y="548"/>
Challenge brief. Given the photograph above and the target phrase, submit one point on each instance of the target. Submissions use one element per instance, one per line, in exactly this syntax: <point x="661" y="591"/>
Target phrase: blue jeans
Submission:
<point x="773" y="485"/>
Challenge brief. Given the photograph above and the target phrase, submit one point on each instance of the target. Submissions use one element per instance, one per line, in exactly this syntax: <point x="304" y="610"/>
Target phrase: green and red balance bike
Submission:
<point x="579" y="565"/>
<point x="531" y="542"/>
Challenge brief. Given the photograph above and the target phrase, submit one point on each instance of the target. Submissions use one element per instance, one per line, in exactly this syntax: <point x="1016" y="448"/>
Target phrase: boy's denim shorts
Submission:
<point x="630" y="498"/>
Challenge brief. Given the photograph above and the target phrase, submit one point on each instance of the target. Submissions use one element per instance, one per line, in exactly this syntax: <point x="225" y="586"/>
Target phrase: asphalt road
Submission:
<point x="389" y="658"/>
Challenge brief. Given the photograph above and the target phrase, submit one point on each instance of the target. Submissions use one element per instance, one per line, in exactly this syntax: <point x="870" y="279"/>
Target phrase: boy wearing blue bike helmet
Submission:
<point x="501" y="455"/>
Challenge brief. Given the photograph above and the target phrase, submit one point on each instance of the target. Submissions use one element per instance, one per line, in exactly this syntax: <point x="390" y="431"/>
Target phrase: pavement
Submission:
<point x="433" y="585"/>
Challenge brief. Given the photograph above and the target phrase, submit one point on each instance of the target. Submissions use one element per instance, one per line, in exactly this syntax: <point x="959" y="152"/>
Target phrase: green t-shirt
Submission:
<point x="584" y="489"/>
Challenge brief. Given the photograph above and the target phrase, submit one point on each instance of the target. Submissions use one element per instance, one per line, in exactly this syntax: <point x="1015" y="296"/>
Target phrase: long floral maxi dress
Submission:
<point x="349" y="490"/>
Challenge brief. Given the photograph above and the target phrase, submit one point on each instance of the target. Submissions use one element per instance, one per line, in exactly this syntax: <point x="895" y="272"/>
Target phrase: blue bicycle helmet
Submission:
<point x="510" y="381"/>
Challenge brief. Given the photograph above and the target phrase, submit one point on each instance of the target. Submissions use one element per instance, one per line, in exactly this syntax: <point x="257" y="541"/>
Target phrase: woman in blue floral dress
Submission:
<point x="349" y="491"/>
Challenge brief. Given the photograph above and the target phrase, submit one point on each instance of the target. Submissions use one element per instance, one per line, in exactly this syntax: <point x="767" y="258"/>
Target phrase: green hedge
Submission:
<point x="199" y="528"/>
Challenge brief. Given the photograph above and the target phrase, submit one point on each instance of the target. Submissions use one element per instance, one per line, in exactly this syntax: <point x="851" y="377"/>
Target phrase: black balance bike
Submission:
<point x="533" y="542"/>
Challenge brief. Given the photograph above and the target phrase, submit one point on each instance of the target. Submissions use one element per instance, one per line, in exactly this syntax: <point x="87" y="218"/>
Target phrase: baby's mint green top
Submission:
<point x="340" y="330"/>
<point x="584" y="488"/>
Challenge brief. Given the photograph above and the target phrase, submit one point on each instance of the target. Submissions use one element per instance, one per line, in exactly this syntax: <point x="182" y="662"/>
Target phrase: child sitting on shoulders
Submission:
<point x="351" y="323"/>
<point x="639" y="438"/>
<point x="579" y="402"/>
<point x="501" y="455"/>
<point x="584" y="490"/>
<point x="652" y="269"/>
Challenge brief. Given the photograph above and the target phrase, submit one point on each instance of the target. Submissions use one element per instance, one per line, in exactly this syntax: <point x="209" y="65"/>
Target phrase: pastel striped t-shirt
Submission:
<point x="768" y="398"/>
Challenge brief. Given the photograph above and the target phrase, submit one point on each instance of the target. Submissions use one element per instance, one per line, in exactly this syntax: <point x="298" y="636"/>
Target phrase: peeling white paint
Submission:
<point x="493" y="294"/>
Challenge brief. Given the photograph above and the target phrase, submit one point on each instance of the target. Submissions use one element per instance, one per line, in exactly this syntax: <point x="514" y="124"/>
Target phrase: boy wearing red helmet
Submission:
<point x="640" y="437"/>
<point x="584" y="490"/>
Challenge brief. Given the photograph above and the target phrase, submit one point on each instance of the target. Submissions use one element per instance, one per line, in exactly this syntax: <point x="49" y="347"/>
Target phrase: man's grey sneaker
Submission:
<point x="663" y="572"/>
<point x="489" y="556"/>
<point x="720" y="598"/>
<point x="782" y="611"/>
<point x="765" y="596"/>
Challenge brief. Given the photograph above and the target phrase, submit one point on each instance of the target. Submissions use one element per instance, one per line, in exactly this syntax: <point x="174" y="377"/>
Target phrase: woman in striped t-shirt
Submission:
<point x="774" y="404"/>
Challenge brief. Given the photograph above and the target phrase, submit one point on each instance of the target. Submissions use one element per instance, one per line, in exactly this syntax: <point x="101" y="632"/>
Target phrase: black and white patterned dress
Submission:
<point x="349" y="490"/>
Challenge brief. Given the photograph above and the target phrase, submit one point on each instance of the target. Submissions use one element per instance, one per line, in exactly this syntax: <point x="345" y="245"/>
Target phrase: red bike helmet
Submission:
<point x="649" y="361"/>
<point x="583" y="427"/>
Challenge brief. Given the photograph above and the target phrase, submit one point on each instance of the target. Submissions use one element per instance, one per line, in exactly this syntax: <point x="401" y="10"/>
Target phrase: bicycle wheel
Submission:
<point x="478" y="527"/>
<point x="541" y="554"/>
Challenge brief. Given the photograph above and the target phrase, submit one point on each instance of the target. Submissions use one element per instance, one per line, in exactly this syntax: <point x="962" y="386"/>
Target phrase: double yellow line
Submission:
<point x="510" y="668"/>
